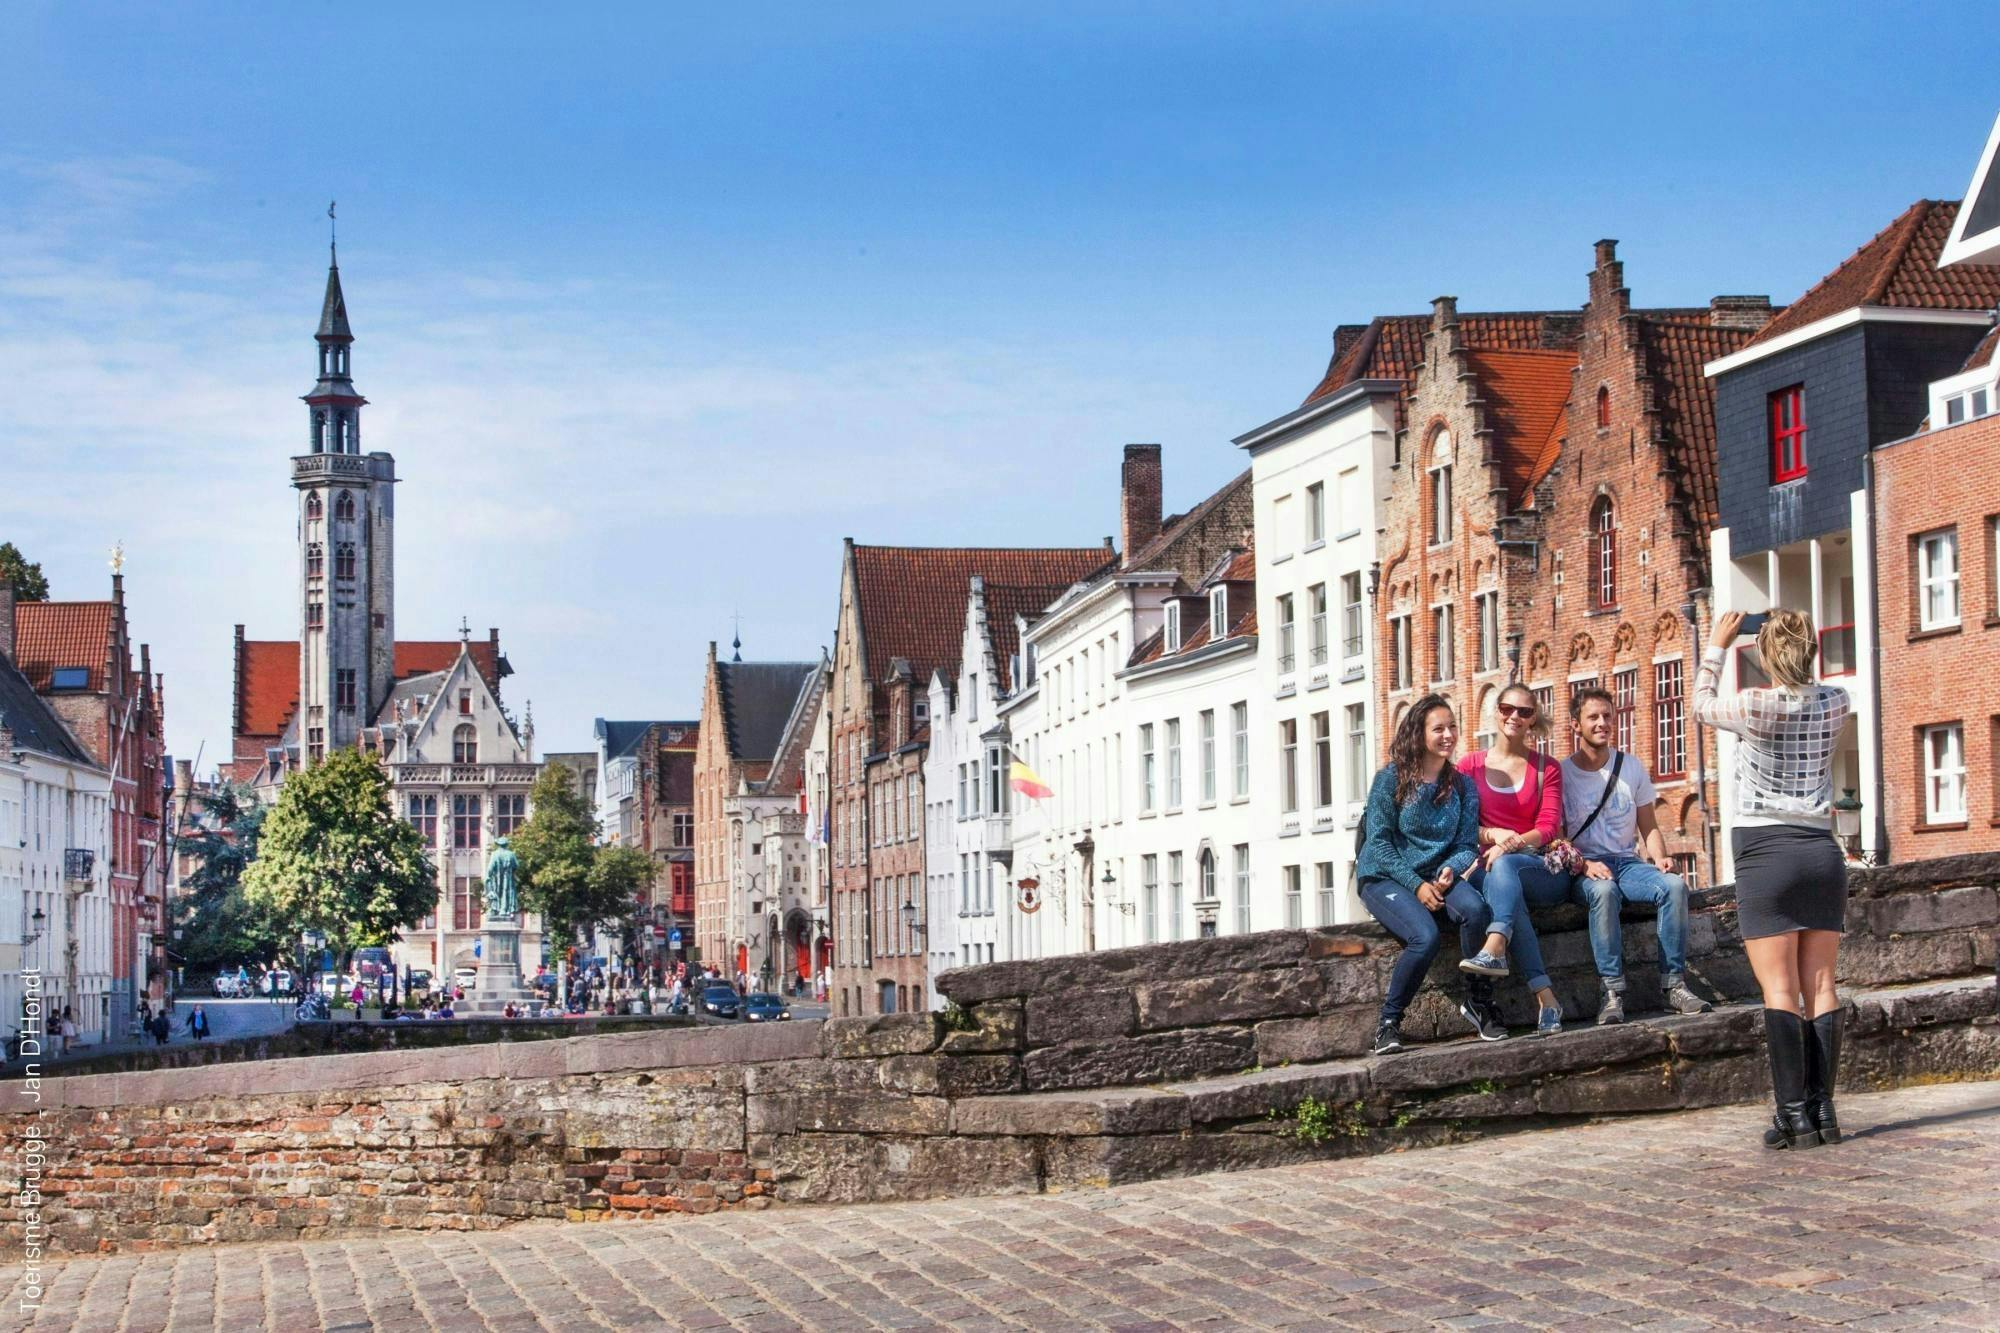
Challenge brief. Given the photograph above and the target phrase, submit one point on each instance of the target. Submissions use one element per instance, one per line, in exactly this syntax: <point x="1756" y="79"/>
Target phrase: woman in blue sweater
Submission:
<point x="1421" y="836"/>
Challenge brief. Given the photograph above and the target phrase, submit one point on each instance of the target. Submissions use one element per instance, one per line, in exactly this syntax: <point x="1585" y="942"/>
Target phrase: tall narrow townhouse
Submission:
<point x="901" y="622"/>
<point x="1800" y="411"/>
<point x="1318" y="475"/>
<point x="1128" y="700"/>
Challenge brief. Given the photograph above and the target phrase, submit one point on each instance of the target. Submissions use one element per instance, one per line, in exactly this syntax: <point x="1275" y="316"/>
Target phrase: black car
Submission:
<point x="721" y="1002"/>
<point x="763" y="1008"/>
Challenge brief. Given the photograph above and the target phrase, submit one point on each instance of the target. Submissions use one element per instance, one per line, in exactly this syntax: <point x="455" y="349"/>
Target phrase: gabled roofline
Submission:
<point x="1208" y="652"/>
<point x="1280" y="429"/>
<point x="1820" y="328"/>
<point x="1957" y="249"/>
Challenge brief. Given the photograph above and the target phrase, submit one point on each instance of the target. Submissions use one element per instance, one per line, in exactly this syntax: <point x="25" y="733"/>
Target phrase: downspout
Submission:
<point x="1867" y="544"/>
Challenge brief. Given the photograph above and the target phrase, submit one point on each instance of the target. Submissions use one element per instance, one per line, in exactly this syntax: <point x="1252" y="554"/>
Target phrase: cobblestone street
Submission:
<point x="1675" y="1222"/>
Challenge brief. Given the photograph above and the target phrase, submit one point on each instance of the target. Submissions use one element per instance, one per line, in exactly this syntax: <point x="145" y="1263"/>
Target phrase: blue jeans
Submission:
<point x="1636" y="881"/>
<point x="1416" y="926"/>
<point x="1517" y="882"/>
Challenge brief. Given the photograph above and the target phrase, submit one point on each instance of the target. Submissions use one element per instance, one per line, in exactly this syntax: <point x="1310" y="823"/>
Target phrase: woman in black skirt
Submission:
<point x="1791" y="878"/>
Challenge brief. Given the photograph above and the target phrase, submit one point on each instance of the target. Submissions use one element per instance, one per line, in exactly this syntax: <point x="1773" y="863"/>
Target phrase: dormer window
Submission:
<point x="1172" y="639"/>
<point x="1788" y="434"/>
<point x="1218" y="612"/>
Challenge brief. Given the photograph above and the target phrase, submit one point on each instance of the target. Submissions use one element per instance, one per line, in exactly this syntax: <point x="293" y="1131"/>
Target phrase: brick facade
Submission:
<point x="1941" y="480"/>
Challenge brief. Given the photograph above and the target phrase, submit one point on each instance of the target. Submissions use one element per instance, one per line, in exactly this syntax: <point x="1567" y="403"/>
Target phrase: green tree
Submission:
<point x="334" y="858"/>
<point x="565" y="876"/>
<point x="30" y="584"/>
<point x="219" y="925"/>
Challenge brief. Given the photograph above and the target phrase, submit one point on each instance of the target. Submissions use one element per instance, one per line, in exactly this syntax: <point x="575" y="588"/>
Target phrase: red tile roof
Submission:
<point x="1391" y="346"/>
<point x="1676" y="345"/>
<point x="1525" y="393"/>
<point x="267" y="676"/>
<point x="1897" y="268"/>
<point x="48" y="635"/>
<point x="912" y="598"/>
<point x="1982" y="355"/>
<point x="1003" y="603"/>
<point x="1191" y="543"/>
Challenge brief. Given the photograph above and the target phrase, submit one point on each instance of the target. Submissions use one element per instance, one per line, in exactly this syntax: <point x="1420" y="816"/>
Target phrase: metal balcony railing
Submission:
<point x="79" y="863"/>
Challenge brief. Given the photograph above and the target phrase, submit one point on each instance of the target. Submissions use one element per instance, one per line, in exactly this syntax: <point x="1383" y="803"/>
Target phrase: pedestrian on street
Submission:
<point x="197" y="1024"/>
<point x="1791" y="878"/>
<point x="162" y="1029"/>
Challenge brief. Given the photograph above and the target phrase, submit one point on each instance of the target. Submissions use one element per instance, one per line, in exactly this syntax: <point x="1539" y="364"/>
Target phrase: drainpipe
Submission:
<point x="1865" y="544"/>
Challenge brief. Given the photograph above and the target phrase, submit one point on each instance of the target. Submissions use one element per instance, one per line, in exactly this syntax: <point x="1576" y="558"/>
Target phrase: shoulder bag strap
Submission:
<point x="1611" y="785"/>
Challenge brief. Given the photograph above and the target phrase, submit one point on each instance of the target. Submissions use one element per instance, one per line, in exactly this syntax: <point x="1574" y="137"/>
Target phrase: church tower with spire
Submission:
<point x="346" y="537"/>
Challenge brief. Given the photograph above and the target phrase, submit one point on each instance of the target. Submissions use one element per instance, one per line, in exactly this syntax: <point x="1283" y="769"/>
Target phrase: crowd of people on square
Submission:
<point x="1471" y="843"/>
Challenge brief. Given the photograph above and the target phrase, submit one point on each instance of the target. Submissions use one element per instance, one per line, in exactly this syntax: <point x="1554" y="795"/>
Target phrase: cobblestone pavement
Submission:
<point x="1672" y="1222"/>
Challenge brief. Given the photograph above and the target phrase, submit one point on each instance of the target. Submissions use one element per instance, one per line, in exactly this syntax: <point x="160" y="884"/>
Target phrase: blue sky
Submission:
<point x="655" y="305"/>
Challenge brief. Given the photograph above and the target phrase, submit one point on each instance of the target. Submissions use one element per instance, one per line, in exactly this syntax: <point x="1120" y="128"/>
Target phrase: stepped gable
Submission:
<point x="1391" y="347"/>
<point x="911" y="599"/>
<point x="1003" y="603"/>
<point x="48" y="635"/>
<point x="1524" y="393"/>
<point x="1898" y="269"/>
<point x="1676" y="344"/>
<point x="267" y="676"/>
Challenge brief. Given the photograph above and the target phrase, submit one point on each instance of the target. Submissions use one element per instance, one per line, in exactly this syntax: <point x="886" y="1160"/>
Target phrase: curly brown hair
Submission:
<point x="1406" y="752"/>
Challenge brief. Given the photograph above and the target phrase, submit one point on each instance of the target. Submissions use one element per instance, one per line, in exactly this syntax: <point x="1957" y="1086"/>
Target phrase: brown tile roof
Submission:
<point x="1676" y="345"/>
<point x="1525" y="392"/>
<point x="267" y="676"/>
<point x="1982" y="355"/>
<point x="1391" y="346"/>
<point x="1897" y="268"/>
<point x="1191" y="543"/>
<point x="912" y="598"/>
<point x="1003" y="603"/>
<point x="1241" y="567"/>
<point x="48" y="635"/>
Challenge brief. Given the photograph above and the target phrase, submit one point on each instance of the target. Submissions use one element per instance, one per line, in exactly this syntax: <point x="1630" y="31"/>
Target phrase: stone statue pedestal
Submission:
<point x="499" y="971"/>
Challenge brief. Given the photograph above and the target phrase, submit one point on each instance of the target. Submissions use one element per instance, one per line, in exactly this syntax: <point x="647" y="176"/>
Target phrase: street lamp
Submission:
<point x="1847" y="820"/>
<point x="910" y="924"/>
<point x="1110" y="883"/>
<point x="40" y="921"/>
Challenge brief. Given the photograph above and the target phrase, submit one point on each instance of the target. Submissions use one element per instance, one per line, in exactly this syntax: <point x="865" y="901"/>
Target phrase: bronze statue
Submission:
<point x="502" y="892"/>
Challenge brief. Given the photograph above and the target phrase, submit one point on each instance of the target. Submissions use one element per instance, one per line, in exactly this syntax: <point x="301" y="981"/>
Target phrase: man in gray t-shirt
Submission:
<point x="1608" y="816"/>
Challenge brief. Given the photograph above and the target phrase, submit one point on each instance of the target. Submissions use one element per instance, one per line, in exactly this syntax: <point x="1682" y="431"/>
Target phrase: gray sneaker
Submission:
<point x="1684" y="1001"/>
<point x="1612" y="1010"/>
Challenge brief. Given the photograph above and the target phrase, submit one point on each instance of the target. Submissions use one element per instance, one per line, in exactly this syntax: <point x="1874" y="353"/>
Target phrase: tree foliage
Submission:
<point x="565" y="876"/>
<point x="30" y="584"/>
<point x="219" y="924"/>
<point x="334" y="857"/>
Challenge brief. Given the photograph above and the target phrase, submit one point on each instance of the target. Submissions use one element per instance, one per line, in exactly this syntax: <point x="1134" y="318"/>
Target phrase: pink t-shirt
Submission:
<point x="1535" y="806"/>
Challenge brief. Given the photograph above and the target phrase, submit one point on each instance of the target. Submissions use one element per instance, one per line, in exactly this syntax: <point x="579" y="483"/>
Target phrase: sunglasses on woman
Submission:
<point x="1526" y="712"/>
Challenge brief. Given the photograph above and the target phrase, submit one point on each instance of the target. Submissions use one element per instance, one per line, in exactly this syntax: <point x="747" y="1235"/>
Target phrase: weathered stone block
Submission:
<point x="978" y="1075"/>
<point x="1082" y="1163"/>
<point x="1949" y="909"/>
<point x="853" y="1168"/>
<point x="1001" y="1027"/>
<point x="1953" y="1002"/>
<point x="1098" y="1111"/>
<point x="1867" y="960"/>
<point x="1498" y="1104"/>
<point x="1336" y="942"/>
<point x="1724" y="1080"/>
<point x="1609" y="1092"/>
<point x="1727" y="1029"/>
<point x="1184" y="960"/>
<point x="1083" y="1016"/>
<point x="1468" y="1062"/>
<point x="882" y="1034"/>
<point x="869" y="1113"/>
<point x="1153" y="1058"/>
<point x="1328" y="1036"/>
<point x="675" y="1109"/>
<point x="1925" y="876"/>
<point x="1229" y="997"/>
<point x="1253" y="1096"/>
<point x="1357" y="980"/>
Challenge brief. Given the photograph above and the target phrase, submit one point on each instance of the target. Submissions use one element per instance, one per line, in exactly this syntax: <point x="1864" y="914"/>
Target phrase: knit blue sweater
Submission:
<point x="1410" y="845"/>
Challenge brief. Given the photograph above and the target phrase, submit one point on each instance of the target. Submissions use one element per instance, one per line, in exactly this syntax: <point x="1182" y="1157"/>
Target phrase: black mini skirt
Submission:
<point x="1788" y="878"/>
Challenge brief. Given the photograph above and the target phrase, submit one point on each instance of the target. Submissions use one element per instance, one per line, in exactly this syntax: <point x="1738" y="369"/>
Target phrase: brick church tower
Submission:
<point x="347" y="523"/>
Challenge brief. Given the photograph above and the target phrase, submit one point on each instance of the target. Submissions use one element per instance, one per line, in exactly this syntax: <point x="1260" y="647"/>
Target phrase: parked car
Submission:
<point x="335" y="985"/>
<point x="420" y="979"/>
<point x="765" y="1008"/>
<point x="466" y="977"/>
<point x="283" y="983"/>
<point x="721" y="1002"/>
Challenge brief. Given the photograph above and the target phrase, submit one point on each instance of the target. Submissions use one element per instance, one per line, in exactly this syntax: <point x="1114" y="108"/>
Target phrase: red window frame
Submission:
<point x="1670" y="719"/>
<point x="1603" y="555"/>
<point x="1625" y="707"/>
<point x="1788" y="434"/>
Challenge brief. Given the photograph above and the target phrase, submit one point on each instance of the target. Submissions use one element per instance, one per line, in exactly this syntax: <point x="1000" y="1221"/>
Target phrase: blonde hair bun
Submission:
<point x="1789" y="647"/>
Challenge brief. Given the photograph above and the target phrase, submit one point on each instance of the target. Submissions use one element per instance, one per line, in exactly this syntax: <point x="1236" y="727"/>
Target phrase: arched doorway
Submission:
<point x="798" y="934"/>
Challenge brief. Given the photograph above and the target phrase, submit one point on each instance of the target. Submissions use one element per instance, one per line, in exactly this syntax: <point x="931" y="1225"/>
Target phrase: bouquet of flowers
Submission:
<point x="1561" y="858"/>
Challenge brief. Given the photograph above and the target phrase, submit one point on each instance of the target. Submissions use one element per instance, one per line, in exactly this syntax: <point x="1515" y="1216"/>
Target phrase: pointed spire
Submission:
<point x="333" y="311"/>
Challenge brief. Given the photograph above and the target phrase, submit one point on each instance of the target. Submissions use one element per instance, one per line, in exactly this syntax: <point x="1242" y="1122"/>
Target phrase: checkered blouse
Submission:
<point x="1784" y="763"/>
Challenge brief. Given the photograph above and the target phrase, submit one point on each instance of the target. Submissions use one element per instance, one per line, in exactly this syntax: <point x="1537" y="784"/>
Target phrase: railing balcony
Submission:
<point x="79" y="864"/>
<point x="464" y="775"/>
<point x="330" y="467"/>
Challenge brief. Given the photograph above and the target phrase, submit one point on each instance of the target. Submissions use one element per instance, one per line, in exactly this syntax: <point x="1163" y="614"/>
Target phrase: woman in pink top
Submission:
<point x="1520" y="812"/>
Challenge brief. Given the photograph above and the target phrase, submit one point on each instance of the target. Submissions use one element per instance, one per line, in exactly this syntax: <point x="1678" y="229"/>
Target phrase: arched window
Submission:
<point x="343" y="560"/>
<point x="465" y="744"/>
<point x="315" y="560"/>
<point x="1207" y="864"/>
<point x="1603" y="406"/>
<point x="343" y="506"/>
<point x="319" y="430"/>
<point x="1440" y="477"/>
<point x="314" y="509"/>
<point x="1603" y="555"/>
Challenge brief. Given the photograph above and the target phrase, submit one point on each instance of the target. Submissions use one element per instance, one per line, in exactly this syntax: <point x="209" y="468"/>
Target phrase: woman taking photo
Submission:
<point x="1791" y="879"/>
<point x="1421" y="836"/>
<point x="1520" y="812"/>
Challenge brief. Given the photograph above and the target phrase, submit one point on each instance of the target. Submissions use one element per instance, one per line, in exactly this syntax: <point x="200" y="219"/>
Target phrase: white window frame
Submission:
<point x="1148" y="769"/>
<point x="1440" y="490"/>
<point x="1171" y="633"/>
<point x="1357" y="750"/>
<point x="1353" y="619"/>
<point x="1488" y="606"/>
<point x="1295" y="907"/>
<point x="1173" y="763"/>
<point x="1149" y="896"/>
<point x="1944" y="773"/>
<point x="1288" y="765"/>
<point x="1444" y="644"/>
<point x="1322" y="737"/>
<point x="1218" y="613"/>
<point x="1208" y="756"/>
<point x="1288" y="659"/>
<point x="1938" y="579"/>
<point x="1239" y="740"/>
<point x="1315" y="514"/>
<point x="1242" y="887"/>
<point x="1316" y="604"/>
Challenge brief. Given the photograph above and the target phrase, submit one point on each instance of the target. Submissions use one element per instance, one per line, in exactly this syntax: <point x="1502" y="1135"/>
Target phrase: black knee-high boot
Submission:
<point x="1822" y="1068"/>
<point x="1785" y="1036"/>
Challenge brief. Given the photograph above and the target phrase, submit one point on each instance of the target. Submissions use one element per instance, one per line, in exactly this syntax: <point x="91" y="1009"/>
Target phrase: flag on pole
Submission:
<point x="1025" y="781"/>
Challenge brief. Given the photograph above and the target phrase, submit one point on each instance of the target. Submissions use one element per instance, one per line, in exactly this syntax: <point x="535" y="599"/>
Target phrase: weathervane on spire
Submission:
<point x="333" y="232"/>
<point x="464" y="630"/>
<point x="736" y="644"/>
<point x="118" y="557"/>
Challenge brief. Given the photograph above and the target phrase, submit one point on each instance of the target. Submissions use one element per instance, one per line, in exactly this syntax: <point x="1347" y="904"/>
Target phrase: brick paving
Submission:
<point x="1667" y="1222"/>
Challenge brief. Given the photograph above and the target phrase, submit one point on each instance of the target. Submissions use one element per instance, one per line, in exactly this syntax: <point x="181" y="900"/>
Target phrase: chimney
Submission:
<point x="1139" y="498"/>
<point x="1607" y="253"/>
<point x="6" y="619"/>
<point x="183" y="779"/>
<point x="1739" y="312"/>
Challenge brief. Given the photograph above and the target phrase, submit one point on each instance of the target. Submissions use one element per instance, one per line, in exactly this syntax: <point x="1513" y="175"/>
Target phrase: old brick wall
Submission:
<point x="1944" y="479"/>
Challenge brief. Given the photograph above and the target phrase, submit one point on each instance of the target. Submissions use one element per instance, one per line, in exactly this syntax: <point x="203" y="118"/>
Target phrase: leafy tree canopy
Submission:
<point x="334" y="858"/>
<point x="219" y="925"/>
<point x="565" y="876"/>
<point x="30" y="584"/>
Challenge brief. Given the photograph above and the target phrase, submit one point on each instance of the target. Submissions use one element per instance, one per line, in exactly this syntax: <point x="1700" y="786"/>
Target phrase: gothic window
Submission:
<point x="343" y="506"/>
<point x="343" y="689"/>
<point x="509" y="813"/>
<point x="1440" y="478"/>
<point x="465" y="821"/>
<point x="315" y="614"/>
<point x="319" y="432"/>
<point x="424" y="818"/>
<point x="315" y="560"/>
<point x="1603" y="555"/>
<point x="468" y="902"/>
<point x="315" y="744"/>
<point x="343" y="560"/>
<point x="465" y="744"/>
<point x="314" y="509"/>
